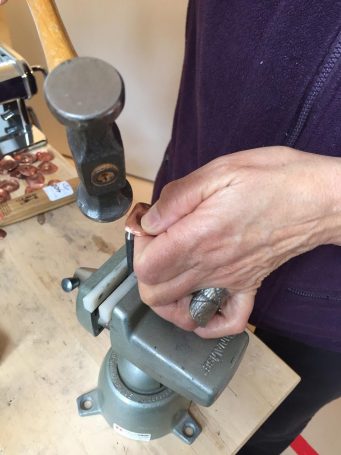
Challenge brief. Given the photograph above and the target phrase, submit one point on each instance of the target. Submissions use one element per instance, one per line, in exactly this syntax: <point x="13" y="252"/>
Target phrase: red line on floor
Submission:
<point x="302" y="447"/>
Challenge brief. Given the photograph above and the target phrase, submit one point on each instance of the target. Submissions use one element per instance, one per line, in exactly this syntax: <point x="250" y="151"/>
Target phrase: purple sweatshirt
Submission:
<point x="258" y="73"/>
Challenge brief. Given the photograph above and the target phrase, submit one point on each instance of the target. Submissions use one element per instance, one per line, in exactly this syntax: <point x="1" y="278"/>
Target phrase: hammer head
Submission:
<point x="87" y="95"/>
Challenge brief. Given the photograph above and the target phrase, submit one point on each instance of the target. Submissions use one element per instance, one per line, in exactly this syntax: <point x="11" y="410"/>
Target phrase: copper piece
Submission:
<point x="25" y="157"/>
<point x="27" y="170"/>
<point x="44" y="156"/>
<point x="8" y="163"/>
<point x="4" y="195"/>
<point x="9" y="185"/>
<point x="133" y="223"/>
<point x="36" y="181"/>
<point x="53" y="182"/>
<point x="30" y="189"/>
<point x="46" y="167"/>
<point x="2" y="234"/>
<point x="15" y="173"/>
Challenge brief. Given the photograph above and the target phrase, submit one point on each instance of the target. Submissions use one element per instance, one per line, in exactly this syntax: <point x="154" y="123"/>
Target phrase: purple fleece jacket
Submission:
<point x="259" y="73"/>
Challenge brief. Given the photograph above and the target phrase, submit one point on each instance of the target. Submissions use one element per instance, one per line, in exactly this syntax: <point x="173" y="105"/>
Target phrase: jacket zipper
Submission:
<point x="312" y="295"/>
<point x="316" y="88"/>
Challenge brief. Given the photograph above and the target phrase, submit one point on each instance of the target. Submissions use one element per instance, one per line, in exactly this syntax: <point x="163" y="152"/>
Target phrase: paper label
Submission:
<point x="58" y="191"/>
<point x="132" y="434"/>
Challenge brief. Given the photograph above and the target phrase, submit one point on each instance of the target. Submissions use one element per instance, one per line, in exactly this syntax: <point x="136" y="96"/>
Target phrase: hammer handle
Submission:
<point x="53" y="36"/>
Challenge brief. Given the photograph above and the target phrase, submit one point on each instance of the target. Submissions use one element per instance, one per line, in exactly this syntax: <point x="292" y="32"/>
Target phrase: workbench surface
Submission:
<point x="47" y="359"/>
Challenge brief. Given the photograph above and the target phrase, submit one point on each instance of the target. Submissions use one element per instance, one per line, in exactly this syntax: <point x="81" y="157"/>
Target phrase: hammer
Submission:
<point x="86" y="95"/>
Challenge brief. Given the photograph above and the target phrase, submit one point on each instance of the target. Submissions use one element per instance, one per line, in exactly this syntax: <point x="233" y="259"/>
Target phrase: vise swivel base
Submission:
<point x="153" y="370"/>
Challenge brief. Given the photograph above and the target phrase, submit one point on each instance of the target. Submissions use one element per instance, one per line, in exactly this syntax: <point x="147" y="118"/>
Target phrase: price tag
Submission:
<point x="58" y="191"/>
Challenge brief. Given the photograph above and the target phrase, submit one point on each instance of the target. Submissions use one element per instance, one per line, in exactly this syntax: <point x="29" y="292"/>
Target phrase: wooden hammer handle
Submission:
<point x="53" y="36"/>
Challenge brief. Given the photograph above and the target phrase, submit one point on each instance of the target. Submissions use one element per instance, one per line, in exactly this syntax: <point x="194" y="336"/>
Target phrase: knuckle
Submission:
<point x="237" y="327"/>
<point x="169" y="190"/>
<point x="147" y="296"/>
<point x="189" y="326"/>
<point x="144" y="271"/>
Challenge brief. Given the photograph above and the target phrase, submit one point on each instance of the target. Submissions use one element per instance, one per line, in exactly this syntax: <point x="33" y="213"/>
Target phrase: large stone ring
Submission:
<point x="205" y="303"/>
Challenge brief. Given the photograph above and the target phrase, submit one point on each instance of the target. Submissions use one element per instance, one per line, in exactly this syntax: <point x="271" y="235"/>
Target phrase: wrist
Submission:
<point x="330" y="226"/>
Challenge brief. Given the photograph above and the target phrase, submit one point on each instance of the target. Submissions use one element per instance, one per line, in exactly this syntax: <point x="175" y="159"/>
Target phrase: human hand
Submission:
<point x="231" y="223"/>
<point x="2" y="2"/>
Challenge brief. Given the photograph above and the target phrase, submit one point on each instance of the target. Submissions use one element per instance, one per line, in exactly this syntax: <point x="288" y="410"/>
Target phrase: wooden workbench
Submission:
<point x="47" y="359"/>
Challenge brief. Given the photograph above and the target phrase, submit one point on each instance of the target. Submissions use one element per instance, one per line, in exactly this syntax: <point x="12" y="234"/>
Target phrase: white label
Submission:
<point x="58" y="191"/>
<point x="132" y="434"/>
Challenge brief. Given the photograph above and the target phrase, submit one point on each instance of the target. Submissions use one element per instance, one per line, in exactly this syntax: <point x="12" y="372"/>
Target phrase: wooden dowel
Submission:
<point x="53" y="36"/>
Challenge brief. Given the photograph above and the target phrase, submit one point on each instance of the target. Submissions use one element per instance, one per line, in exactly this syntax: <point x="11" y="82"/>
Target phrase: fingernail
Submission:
<point x="150" y="222"/>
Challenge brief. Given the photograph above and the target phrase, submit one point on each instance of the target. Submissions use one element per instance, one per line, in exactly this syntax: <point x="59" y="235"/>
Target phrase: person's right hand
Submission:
<point x="229" y="224"/>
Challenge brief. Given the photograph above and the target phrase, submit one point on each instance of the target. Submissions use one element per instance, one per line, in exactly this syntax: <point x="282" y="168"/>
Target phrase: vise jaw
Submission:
<point x="150" y="356"/>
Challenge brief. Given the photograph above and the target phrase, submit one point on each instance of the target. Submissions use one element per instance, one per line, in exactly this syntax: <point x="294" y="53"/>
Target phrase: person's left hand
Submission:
<point x="229" y="224"/>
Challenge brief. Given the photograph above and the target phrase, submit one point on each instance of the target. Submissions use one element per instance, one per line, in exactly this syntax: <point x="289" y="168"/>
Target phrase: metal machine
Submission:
<point x="154" y="369"/>
<point x="18" y="130"/>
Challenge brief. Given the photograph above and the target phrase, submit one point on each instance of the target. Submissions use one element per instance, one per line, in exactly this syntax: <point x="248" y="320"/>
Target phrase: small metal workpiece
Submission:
<point x="133" y="223"/>
<point x="133" y="227"/>
<point x="129" y="238"/>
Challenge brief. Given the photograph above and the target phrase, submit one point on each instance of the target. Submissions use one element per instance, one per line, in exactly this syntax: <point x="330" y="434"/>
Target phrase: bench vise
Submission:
<point x="153" y="369"/>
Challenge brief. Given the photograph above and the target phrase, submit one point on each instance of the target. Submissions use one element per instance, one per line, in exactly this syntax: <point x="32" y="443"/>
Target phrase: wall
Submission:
<point x="144" y="40"/>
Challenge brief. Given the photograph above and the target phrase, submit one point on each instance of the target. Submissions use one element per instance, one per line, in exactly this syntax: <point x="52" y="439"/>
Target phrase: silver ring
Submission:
<point x="205" y="303"/>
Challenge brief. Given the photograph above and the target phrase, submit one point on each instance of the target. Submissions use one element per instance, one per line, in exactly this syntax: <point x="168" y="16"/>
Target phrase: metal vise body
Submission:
<point x="154" y="369"/>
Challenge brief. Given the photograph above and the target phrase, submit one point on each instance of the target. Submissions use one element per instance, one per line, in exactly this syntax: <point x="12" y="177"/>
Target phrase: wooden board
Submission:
<point x="22" y="206"/>
<point x="47" y="359"/>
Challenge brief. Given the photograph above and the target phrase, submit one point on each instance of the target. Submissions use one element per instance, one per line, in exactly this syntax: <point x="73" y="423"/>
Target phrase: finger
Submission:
<point x="182" y="196"/>
<point x="168" y="292"/>
<point x="190" y="244"/>
<point x="232" y="319"/>
<point x="177" y="313"/>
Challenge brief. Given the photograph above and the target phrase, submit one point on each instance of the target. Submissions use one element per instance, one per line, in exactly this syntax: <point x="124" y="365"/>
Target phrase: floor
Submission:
<point x="323" y="432"/>
<point x="322" y="436"/>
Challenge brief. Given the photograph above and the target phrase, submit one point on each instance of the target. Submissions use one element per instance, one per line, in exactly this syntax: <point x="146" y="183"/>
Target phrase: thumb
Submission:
<point x="181" y="197"/>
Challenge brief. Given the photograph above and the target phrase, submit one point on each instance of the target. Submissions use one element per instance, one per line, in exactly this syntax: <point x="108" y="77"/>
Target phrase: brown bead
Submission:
<point x="2" y="234"/>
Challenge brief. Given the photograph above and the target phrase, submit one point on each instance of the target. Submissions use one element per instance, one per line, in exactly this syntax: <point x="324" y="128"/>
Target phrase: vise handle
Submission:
<point x="53" y="36"/>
